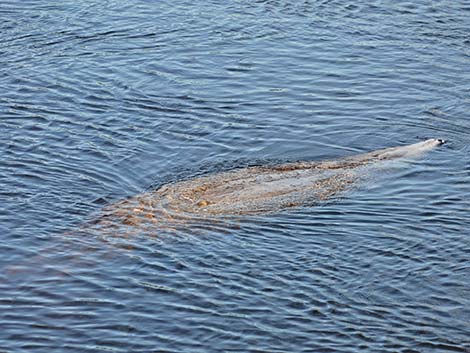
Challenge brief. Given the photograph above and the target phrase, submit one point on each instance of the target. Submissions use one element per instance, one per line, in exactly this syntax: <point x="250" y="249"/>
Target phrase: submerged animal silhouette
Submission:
<point x="253" y="190"/>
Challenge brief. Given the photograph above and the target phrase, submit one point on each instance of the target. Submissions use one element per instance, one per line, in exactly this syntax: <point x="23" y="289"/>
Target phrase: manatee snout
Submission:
<point x="436" y="142"/>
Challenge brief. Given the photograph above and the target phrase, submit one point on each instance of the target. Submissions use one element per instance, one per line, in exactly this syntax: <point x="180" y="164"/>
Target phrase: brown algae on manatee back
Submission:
<point x="250" y="191"/>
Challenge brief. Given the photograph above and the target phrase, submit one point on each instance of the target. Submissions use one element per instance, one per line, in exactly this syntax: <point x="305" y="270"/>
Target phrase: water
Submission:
<point x="101" y="100"/>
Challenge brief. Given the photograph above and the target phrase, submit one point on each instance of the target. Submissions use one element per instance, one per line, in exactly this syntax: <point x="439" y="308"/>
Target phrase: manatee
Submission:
<point x="254" y="190"/>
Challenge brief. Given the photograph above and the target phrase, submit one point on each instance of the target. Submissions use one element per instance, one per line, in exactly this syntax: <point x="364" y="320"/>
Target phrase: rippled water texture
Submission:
<point x="103" y="100"/>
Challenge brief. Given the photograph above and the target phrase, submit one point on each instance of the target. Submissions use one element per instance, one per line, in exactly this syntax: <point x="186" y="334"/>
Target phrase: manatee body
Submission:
<point x="254" y="190"/>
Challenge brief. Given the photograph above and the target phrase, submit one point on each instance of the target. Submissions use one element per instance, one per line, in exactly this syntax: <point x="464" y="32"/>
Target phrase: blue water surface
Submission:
<point x="101" y="100"/>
